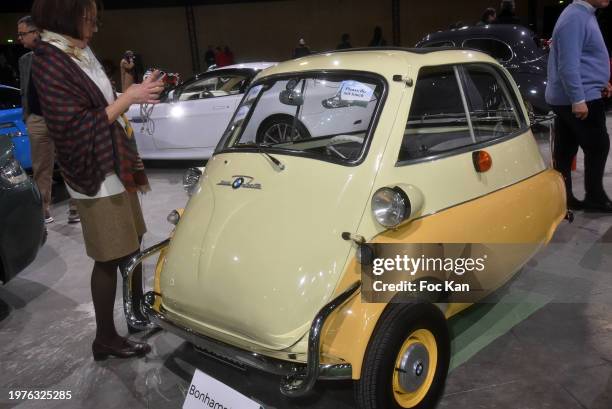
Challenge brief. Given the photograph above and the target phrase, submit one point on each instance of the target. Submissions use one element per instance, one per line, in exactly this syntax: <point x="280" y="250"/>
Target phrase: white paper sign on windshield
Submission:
<point x="207" y="392"/>
<point x="356" y="93"/>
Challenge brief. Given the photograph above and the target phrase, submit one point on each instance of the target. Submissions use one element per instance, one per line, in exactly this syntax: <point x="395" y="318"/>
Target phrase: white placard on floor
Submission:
<point x="207" y="392"/>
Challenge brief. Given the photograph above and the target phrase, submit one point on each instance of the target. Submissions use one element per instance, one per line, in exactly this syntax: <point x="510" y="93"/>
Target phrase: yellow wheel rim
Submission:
<point x="415" y="367"/>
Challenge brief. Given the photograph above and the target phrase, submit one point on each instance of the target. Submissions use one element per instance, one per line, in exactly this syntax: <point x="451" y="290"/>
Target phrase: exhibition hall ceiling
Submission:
<point x="25" y="5"/>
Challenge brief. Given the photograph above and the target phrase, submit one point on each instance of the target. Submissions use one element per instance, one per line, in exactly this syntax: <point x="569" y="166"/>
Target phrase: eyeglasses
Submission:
<point x="93" y="21"/>
<point x="21" y="34"/>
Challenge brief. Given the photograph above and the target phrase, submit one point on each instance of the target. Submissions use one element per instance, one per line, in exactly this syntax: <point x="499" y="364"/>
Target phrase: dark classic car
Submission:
<point x="517" y="48"/>
<point x="22" y="230"/>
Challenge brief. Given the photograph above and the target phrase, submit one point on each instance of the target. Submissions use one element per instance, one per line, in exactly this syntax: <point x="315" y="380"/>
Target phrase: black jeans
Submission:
<point x="589" y="134"/>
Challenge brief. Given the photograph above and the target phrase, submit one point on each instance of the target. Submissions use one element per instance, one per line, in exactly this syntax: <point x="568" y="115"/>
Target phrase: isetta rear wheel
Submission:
<point x="407" y="359"/>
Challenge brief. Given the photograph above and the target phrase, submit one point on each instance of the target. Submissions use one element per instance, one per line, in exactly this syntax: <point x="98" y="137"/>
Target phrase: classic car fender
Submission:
<point x="535" y="209"/>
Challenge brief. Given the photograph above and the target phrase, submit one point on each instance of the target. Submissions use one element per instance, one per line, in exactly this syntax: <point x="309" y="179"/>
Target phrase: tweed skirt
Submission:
<point x="111" y="225"/>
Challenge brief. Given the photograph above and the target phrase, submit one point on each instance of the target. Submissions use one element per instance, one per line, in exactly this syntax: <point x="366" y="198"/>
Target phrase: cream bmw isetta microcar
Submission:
<point x="380" y="146"/>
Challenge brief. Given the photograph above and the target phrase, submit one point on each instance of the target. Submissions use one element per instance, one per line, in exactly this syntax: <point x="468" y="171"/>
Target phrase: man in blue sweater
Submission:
<point x="578" y="79"/>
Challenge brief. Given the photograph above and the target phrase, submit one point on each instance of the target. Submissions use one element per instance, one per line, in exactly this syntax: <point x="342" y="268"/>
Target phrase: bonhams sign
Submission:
<point x="206" y="392"/>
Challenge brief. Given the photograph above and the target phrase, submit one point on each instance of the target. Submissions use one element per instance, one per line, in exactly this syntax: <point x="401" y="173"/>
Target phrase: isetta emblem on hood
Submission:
<point x="241" y="181"/>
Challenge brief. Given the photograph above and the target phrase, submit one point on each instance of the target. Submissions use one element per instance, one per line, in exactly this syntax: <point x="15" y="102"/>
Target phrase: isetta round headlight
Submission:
<point x="390" y="206"/>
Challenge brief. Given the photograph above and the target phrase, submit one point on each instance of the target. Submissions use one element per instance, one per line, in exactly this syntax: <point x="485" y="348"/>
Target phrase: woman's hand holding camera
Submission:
<point x="148" y="91"/>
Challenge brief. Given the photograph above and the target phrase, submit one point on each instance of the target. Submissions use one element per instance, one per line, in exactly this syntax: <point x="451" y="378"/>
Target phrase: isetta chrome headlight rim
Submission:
<point x="391" y="206"/>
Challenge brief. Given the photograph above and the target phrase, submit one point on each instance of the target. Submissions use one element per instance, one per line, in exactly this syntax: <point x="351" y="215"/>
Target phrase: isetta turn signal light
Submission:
<point x="482" y="161"/>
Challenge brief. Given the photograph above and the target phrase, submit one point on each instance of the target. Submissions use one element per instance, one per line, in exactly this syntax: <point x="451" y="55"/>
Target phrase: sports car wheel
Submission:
<point x="280" y="130"/>
<point x="407" y="359"/>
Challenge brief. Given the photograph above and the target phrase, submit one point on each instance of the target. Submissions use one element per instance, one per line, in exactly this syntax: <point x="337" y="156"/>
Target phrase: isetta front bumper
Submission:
<point x="297" y="378"/>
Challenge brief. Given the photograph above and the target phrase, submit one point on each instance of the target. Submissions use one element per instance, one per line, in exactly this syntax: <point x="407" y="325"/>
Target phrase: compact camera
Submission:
<point x="170" y="79"/>
<point x="129" y="57"/>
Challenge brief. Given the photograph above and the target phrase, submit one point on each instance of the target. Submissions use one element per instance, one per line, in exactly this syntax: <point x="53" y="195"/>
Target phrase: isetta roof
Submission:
<point x="384" y="61"/>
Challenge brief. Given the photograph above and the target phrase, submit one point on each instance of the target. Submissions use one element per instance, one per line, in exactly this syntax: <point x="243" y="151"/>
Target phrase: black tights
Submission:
<point x="103" y="291"/>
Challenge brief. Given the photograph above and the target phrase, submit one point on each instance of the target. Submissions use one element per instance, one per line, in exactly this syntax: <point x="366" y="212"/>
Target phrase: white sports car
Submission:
<point x="194" y="115"/>
<point x="190" y="120"/>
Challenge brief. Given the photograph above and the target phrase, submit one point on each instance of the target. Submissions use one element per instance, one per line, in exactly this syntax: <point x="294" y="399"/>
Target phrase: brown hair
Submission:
<point x="63" y="16"/>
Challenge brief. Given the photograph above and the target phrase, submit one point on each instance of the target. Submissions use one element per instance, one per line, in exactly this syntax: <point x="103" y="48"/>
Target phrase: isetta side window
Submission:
<point x="456" y="107"/>
<point x="322" y="116"/>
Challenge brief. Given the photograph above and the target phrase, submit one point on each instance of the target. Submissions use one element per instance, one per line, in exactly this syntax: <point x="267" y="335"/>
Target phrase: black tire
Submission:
<point x="266" y="132"/>
<point x="375" y="388"/>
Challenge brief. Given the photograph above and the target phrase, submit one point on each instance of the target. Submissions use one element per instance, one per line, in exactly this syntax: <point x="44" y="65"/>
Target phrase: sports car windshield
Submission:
<point x="323" y="116"/>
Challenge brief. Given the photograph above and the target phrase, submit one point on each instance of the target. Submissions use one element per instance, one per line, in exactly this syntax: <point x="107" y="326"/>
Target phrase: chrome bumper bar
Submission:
<point x="297" y="378"/>
<point x="127" y="271"/>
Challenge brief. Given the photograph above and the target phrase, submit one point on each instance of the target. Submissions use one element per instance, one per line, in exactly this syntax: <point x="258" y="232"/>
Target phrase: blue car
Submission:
<point x="12" y="125"/>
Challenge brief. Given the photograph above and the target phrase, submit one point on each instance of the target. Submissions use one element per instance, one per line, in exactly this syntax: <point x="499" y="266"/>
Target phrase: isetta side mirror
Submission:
<point x="291" y="97"/>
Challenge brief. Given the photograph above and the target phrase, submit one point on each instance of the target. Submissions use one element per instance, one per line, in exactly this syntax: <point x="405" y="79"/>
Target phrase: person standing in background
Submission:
<point x="301" y="50"/>
<point x="488" y="17"/>
<point x="506" y="13"/>
<point x="224" y="57"/>
<point x="127" y="70"/>
<point x="377" y="38"/>
<point x="345" y="42"/>
<point x="42" y="149"/>
<point x="209" y="56"/>
<point x="578" y="79"/>
<point x="41" y="146"/>
<point x="229" y="55"/>
<point x="219" y="57"/>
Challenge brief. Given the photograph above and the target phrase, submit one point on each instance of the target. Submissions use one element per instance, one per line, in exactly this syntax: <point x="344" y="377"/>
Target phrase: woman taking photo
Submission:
<point x="95" y="150"/>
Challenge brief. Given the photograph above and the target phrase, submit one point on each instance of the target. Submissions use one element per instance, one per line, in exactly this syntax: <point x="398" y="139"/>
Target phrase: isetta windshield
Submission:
<point x="324" y="116"/>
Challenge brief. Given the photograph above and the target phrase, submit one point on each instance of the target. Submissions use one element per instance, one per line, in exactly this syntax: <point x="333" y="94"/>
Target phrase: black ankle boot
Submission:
<point x="574" y="204"/>
<point x="603" y="205"/>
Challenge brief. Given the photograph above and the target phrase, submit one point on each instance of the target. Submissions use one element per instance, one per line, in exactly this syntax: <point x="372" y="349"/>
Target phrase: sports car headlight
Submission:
<point x="191" y="179"/>
<point x="390" y="206"/>
<point x="12" y="173"/>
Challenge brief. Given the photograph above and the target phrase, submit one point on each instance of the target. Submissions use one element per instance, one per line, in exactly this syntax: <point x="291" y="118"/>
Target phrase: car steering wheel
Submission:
<point x="206" y="94"/>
